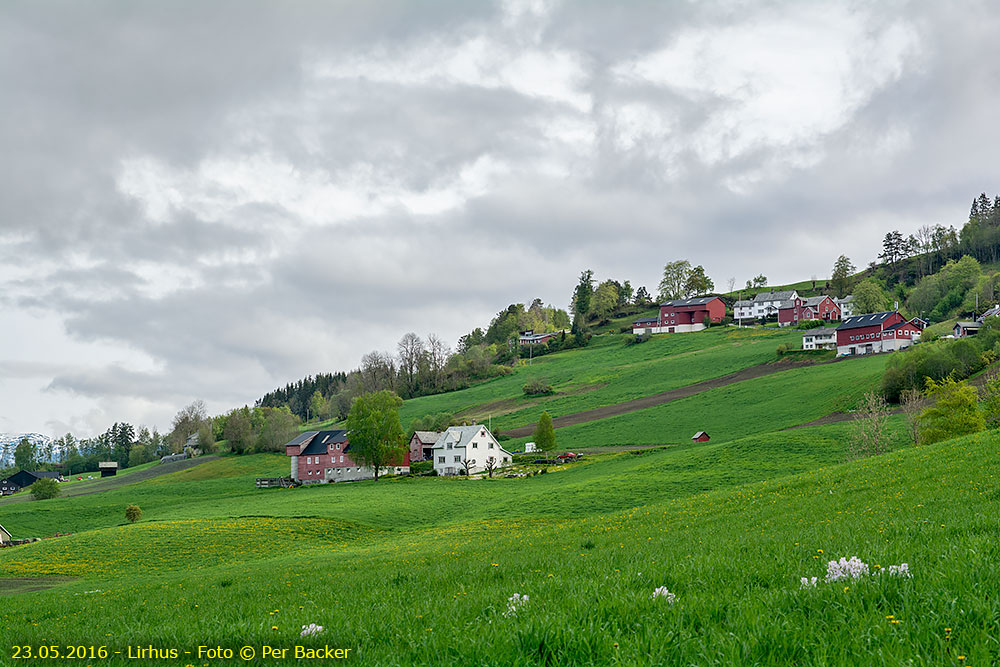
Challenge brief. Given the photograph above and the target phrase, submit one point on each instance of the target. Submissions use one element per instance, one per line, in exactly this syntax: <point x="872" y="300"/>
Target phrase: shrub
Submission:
<point x="638" y="338"/>
<point x="545" y="435"/>
<point x="537" y="388"/>
<point x="133" y="513"/>
<point x="45" y="488"/>
<point x="782" y="349"/>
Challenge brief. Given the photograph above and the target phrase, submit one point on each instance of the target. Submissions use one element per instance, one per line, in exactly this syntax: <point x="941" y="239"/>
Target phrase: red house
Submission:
<point x="700" y="436"/>
<point x="798" y="310"/>
<point x="319" y="457"/>
<point x="876" y="332"/>
<point x="682" y="315"/>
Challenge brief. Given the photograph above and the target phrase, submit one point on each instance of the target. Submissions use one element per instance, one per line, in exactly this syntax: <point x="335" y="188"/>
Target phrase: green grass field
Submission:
<point x="607" y="372"/>
<point x="426" y="579"/>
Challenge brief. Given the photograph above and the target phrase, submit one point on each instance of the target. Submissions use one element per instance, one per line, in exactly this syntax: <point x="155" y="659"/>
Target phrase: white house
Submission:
<point x="820" y="339"/>
<point x="4" y="535"/>
<point x="474" y="444"/>
<point x="764" y="304"/>
<point x="846" y="306"/>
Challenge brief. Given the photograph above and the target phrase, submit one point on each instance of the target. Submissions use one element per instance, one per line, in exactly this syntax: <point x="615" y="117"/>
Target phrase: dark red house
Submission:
<point x="700" y="436"/>
<point x="324" y="456"/>
<point x="681" y="315"/>
<point x="876" y="332"/>
<point x="798" y="310"/>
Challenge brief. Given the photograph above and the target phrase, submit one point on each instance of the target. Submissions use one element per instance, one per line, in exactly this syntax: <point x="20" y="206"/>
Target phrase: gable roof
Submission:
<point x="774" y="296"/>
<point x="847" y="299"/>
<point x="695" y="301"/>
<point x="867" y="320"/>
<point x="744" y="303"/>
<point x="427" y="437"/>
<point x="969" y="325"/>
<point x="647" y="320"/>
<point x="820" y="331"/>
<point x="459" y="436"/>
<point x="4" y="530"/>
<point x="698" y="434"/>
<point x="315" y="442"/>
<point x="814" y="300"/>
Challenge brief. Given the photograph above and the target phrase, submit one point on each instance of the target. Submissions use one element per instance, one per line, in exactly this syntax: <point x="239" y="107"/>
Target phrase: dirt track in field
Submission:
<point x="16" y="585"/>
<point x="751" y="373"/>
<point x="108" y="483"/>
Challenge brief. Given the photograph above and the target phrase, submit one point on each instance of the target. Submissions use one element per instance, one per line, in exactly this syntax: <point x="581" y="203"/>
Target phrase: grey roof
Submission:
<point x="427" y="437"/>
<point x="43" y="475"/>
<point x="847" y="299"/>
<point x="459" y="436"/>
<point x="969" y="325"/>
<point x="695" y="301"/>
<point x="647" y="320"/>
<point x="784" y="305"/>
<point x="745" y="303"/>
<point x="775" y="296"/>
<point x="995" y="310"/>
<point x="866" y="320"/>
<point x="825" y="331"/>
<point x="814" y="300"/>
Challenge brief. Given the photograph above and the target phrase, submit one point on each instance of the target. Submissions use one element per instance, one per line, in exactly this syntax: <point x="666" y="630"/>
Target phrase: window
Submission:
<point x="491" y="445"/>
<point x="475" y="445"/>
<point x="458" y="459"/>
<point x="449" y="445"/>
<point x="309" y="460"/>
<point x="440" y="459"/>
<point x="341" y="458"/>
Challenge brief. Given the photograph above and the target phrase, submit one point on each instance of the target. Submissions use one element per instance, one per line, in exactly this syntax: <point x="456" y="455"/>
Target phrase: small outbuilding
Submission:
<point x="700" y="436"/>
<point x="4" y="535"/>
<point x="108" y="468"/>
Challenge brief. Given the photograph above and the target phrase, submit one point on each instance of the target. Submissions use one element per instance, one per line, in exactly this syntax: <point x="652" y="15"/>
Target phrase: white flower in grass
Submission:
<point x="515" y="602"/>
<point x="662" y="592"/>
<point x="809" y="583"/>
<point x="901" y="570"/>
<point x="855" y="568"/>
<point x="311" y="629"/>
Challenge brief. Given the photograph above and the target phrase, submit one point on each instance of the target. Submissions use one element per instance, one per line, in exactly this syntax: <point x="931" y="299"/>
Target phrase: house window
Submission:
<point x="475" y="445"/>
<point x="449" y="445"/>
<point x="491" y="445"/>
<point x="329" y="471"/>
<point x="309" y="460"/>
<point x="458" y="459"/>
<point x="341" y="458"/>
<point x="440" y="459"/>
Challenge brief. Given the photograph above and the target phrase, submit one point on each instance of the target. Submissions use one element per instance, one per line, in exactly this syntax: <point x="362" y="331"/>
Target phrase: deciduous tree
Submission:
<point x="955" y="411"/>
<point x="545" y="434"/>
<point x="374" y="431"/>
<point x="843" y="269"/>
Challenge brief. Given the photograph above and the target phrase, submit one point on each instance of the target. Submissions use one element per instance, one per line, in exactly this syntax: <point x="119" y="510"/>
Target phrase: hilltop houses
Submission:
<point x="876" y="332"/>
<point x="468" y="446"/>
<point x="319" y="457"/>
<point x="763" y="305"/>
<point x="683" y="315"/>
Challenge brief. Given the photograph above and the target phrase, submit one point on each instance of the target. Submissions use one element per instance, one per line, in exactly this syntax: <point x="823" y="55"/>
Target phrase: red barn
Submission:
<point x="324" y="456"/>
<point x="875" y="332"/>
<point x="682" y="315"/>
<point x="700" y="436"/>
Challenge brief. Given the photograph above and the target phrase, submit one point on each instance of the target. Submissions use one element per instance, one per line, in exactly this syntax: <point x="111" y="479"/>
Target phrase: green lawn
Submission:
<point x="587" y="545"/>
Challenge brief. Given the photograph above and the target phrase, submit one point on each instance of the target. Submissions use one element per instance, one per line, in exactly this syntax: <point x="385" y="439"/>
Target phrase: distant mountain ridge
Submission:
<point x="8" y="441"/>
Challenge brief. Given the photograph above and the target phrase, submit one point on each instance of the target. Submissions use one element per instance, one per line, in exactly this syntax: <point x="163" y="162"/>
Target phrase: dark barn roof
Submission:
<point x="861" y="321"/>
<point x="696" y="301"/>
<point x="319" y="441"/>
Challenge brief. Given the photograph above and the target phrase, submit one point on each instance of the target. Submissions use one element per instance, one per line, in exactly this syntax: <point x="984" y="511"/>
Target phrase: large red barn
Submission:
<point x="875" y="332"/>
<point x="324" y="456"/>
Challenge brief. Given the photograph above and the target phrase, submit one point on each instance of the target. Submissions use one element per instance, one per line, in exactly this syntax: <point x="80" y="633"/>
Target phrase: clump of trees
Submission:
<point x="537" y="387"/>
<point x="940" y="359"/>
<point x="257" y="429"/>
<point x="681" y="280"/>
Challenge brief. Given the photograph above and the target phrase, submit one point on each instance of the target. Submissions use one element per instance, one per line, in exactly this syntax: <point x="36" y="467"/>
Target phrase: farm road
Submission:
<point x="665" y="397"/>
<point x="108" y="483"/>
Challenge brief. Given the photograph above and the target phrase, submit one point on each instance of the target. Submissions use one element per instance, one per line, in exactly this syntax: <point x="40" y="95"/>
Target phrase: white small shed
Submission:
<point x="529" y="447"/>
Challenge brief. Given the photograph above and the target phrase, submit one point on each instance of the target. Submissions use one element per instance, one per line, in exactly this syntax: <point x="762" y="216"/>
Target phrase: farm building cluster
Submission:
<point x="319" y="457"/>
<point x="22" y="479"/>
<point x="848" y="334"/>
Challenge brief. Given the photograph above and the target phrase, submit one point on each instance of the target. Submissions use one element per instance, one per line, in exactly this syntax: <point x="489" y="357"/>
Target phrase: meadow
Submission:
<point x="607" y="372"/>
<point x="438" y="592"/>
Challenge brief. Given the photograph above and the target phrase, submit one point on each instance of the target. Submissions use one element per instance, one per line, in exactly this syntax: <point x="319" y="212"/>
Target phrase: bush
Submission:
<point x="782" y="349"/>
<point x="45" y="488"/>
<point x="538" y="388"/>
<point x="638" y="338"/>
<point x="133" y="513"/>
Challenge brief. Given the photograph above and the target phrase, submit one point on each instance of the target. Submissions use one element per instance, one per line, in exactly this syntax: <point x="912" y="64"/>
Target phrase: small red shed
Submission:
<point x="700" y="436"/>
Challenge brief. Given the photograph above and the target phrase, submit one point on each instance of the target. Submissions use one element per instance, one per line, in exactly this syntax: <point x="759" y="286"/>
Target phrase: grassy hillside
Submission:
<point x="588" y="546"/>
<point x="605" y="373"/>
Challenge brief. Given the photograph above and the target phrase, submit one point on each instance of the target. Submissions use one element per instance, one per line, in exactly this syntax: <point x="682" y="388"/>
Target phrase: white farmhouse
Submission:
<point x="820" y="339"/>
<point x="764" y="304"/>
<point x="846" y="306"/>
<point x="474" y="444"/>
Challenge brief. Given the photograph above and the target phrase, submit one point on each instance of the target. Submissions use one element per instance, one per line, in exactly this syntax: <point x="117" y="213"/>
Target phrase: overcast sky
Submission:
<point x="205" y="200"/>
